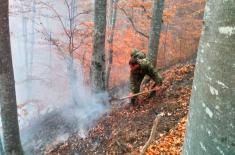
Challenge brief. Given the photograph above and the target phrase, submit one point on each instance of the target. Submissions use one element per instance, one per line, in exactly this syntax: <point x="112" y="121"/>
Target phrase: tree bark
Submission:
<point x="11" y="136"/>
<point x="1" y="147"/>
<point x="98" y="55"/>
<point x="113" y="17"/>
<point x="211" y="125"/>
<point x="155" y="30"/>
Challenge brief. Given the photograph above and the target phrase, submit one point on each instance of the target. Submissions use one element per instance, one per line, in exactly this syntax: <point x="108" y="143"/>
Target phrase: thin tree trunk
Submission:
<point x="211" y="125"/>
<point x="98" y="55"/>
<point x="113" y="17"/>
<point x="164" y="53"/>
<point x="32" y="39"/>
<point x="110" y="12"/>
<point x="72" y="79"/>
<point x="11" y="136"/>
<point x="155" y="30"/>
<point x="71" y="68"/>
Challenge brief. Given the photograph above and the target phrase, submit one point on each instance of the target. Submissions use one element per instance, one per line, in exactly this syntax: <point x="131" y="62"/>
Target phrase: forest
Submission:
<point x="117" y="77"/>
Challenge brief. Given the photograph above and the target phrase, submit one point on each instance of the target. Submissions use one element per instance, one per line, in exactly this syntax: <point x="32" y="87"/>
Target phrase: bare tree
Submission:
<point x="11" y="135"/>
<point x="211" y="124"/>
<point x="98" y="55"/>
<point x="155" y="30"/>
<point x="67" y="46"/>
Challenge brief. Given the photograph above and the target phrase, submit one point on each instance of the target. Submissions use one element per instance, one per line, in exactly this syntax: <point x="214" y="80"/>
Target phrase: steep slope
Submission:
<point x="124" y="129"/>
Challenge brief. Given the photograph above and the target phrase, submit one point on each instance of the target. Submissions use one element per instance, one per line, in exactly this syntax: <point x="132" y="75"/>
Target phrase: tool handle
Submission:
<point x="137" y="94"/>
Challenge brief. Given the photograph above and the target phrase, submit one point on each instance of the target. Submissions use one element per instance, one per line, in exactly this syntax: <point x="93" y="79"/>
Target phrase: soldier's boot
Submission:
<point x="152" y="94"/>
<point x="133" y="101"/>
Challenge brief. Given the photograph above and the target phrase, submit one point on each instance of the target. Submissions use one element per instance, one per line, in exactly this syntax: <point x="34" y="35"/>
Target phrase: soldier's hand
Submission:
<point x="158" y="91"/>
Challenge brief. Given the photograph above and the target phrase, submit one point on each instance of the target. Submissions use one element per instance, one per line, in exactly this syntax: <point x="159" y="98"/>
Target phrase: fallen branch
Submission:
<point x="152" y="134"/>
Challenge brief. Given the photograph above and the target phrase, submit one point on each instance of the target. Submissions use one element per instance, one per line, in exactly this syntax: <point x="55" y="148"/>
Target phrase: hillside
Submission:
<point x="123" y="130"/>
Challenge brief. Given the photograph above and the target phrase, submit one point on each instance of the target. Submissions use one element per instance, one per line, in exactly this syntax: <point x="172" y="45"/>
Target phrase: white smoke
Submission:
<point x="46" y="110"/>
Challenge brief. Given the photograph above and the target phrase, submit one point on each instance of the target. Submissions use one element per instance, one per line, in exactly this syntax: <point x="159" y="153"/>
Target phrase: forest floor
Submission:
<point x="124" y="129"/>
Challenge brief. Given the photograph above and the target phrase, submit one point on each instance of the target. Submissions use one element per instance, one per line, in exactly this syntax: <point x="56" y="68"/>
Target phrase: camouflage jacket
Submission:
<point x="136" y="76"/>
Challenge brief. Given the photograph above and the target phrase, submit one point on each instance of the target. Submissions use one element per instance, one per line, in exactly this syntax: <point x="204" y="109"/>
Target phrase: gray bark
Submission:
<point x="1" y="148"/>
<point x="11" y="136"/>
<point x="98" y="55"/>
<point x="113" y="17"/>
<point x="211" y="126"/>
<point x="110" y="12"/>
<point x="155" y="30"/>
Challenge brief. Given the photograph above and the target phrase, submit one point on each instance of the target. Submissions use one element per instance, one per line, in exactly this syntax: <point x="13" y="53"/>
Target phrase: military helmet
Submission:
<point x="134" y="52"/>
<point x="137" y="54"/>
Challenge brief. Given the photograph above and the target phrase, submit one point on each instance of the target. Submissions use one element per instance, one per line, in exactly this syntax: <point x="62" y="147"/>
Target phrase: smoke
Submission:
<point x="48" y="113"/>
<point x="52" y="102"/>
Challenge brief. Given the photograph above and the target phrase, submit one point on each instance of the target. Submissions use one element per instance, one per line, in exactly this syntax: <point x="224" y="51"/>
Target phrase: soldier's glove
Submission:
<point x="152" y="94"/>
<point x="133" y="101"/>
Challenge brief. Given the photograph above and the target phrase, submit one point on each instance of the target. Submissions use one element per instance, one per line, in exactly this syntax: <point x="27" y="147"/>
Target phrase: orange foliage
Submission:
<point x="171" y="143"/>
<point x="181" y="29"/>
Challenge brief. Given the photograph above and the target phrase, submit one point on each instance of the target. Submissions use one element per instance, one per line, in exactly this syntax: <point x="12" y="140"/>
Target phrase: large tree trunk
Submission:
<point x="98" y="55"/>
<point x="1" y="148"/>
<point x="211" y="125"/>
<point x="155" y="30"/>
<point x="11" y="136"/>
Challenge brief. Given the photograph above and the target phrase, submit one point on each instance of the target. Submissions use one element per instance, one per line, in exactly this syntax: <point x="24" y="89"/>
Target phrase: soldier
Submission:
<point x="139" y="68"/>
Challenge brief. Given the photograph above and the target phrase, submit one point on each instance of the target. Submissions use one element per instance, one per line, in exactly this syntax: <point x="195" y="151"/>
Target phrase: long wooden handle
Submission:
<point x="137" y="94"/>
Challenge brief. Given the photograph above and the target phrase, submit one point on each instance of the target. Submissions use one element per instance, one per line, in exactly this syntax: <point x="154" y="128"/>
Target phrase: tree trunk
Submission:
<point x="155" y="30"/>
<point x="11" y="136"/>
<point x="211" y="125"/>
<point x="110" y="12"/>
<point x="1" y="148"/>
<point x="72" y="79"/>
<point x="98" y="55"/>
<point x="165" y="46"/>
<point x="113" y="17"/>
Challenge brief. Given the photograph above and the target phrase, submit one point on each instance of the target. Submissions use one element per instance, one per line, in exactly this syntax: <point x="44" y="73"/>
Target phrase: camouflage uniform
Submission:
<point x="137" y="54"/>
<point x="137" y="75"/>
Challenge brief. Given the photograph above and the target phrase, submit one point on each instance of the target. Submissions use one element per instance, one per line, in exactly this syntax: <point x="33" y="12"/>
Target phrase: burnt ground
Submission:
<point x="124" y="129"/>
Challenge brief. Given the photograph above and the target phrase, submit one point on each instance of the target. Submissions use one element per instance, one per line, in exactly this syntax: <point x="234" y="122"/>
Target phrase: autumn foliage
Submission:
<point x="171" y="143"/>
<point x="181" y="29"/>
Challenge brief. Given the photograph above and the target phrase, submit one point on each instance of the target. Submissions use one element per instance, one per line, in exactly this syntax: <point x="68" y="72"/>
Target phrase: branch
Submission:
<point x="49" y="38"/>
<point x="78" y="46"/>
<point x="145" y="11"/>
<point x="57" y="15"/>
<point x="83" y="13"/>
<point x="152" y="134"/>
<point x="132" y="23"/>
